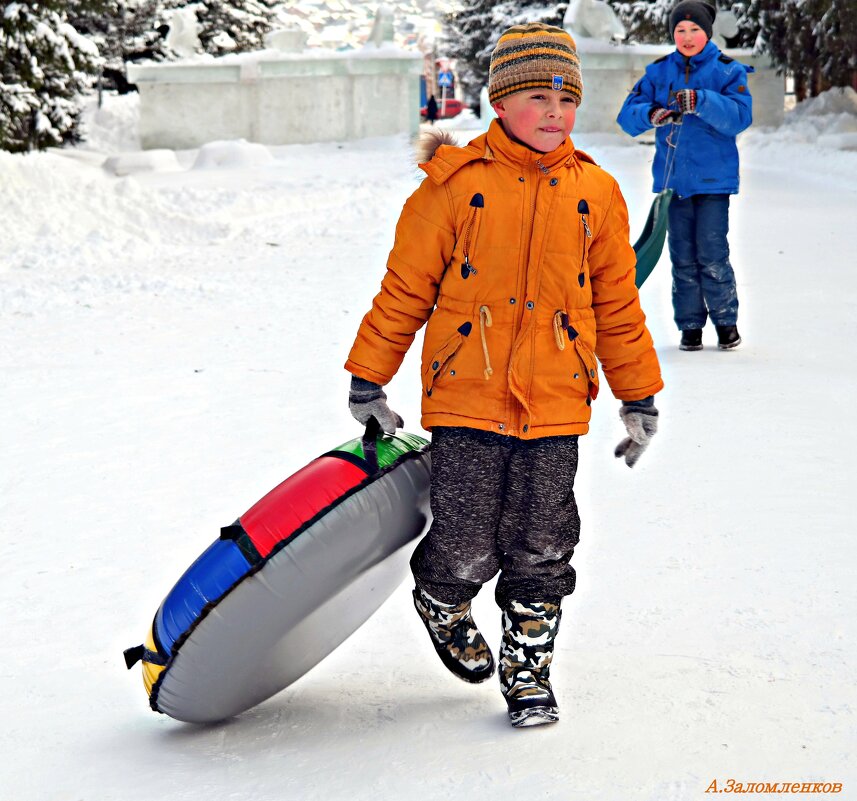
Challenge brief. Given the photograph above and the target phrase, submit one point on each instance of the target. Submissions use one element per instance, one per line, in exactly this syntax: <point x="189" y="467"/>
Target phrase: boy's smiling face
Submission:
<point x="690" y="39"/>
<point x="540" y="118"/>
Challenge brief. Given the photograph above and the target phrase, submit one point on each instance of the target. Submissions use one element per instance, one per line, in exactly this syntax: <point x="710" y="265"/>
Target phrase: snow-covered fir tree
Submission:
<point x="836" y="40"/>
<point x="644" y="20"/>
<point x="233" y="26"/>
<point x="787" y="36"/>
<point x="123" y="31"/>
<point x="131" y="30"/>
<point x="469" y="35"/>
<point x="44" y="65"/>
<point x="747" y="15"/>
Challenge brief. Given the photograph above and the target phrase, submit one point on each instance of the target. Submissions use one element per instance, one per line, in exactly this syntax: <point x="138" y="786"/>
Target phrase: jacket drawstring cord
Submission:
<point x="485" y="321"/>
<point x="558" y="329"/>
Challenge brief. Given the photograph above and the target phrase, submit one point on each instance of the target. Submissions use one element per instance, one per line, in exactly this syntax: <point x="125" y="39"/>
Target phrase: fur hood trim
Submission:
<point x="430" y="141"/>
<point x="440" y="156"/>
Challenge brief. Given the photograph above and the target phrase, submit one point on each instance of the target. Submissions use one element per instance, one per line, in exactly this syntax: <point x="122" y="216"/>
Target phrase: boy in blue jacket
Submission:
<point x="698" y="101"/>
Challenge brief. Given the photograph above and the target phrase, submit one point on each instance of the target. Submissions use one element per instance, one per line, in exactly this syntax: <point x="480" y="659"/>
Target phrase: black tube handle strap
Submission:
<point x="138" y="652"/>
<point x="370" y="444"/>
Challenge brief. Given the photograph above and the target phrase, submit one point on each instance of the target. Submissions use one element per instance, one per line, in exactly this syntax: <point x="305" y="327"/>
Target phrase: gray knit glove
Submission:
<point x="641" y="422"/>
<point x="367" y="399"/>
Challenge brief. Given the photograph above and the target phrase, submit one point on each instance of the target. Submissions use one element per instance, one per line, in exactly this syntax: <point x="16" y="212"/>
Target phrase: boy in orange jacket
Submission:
<point x="515" y="249"/>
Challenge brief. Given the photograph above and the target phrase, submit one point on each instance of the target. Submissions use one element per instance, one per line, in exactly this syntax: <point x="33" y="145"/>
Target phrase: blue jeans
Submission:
<point x="703" y="280"/>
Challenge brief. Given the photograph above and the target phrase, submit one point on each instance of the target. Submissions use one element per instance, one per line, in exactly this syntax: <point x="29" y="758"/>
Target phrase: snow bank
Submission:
<point x="144" y="161"/>
<point x="232" y="155"/>
<point x="820" y="134"/>
<point x="840" y="100"/>
<point x="113" y="128"/>
<point x="69" y="216"/>
<point x="829" y="120"/>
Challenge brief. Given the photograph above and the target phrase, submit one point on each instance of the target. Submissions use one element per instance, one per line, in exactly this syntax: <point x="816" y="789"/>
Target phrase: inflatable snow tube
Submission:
<point x="289" y="581"/>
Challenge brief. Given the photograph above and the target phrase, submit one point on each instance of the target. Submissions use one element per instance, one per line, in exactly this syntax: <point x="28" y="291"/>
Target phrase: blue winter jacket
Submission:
<point x="705" y="158"/>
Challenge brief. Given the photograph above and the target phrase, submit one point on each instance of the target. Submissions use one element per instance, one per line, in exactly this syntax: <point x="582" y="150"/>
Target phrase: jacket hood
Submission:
<point x="430" y="141"/>
<point x="442" y="158"/>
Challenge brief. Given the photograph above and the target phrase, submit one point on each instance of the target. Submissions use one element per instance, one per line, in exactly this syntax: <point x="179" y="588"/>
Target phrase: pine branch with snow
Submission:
<point x="123" y="31"/>
<point x="44" y="66"/>
<point x="836" y="39"/>
<point x="234" y="26"/>
<point x="645" y="21"/>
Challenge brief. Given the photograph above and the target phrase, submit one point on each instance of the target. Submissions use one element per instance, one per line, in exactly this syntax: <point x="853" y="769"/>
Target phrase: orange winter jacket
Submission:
<point x="520" y="262"/>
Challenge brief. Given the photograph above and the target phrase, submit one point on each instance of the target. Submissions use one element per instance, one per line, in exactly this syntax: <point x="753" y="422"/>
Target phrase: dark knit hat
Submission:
<point x="534" y="56"/>
<point x="697" y="11"/>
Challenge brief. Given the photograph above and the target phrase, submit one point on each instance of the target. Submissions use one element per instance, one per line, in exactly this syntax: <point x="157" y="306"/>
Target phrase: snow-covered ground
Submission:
<point x="172" y="348"/>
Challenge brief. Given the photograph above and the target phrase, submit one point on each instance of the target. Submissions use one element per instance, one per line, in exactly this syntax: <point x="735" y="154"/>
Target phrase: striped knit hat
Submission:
<point x="534" y="56"/>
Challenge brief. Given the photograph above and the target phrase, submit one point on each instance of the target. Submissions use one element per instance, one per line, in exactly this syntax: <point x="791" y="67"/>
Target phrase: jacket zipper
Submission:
<point x="523" y="269"/>
<point x="583" y="210"/>
<point x="476" y="202"/>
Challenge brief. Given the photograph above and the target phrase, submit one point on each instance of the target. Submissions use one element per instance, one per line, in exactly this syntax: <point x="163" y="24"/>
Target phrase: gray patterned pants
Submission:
<point x="499" y="504"/>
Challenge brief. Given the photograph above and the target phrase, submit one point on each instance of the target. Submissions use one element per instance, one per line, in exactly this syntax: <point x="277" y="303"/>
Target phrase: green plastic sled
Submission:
<point x="651" y="242"/>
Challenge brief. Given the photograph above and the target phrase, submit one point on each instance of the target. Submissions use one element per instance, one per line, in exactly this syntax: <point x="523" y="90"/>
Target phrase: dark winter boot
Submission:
<point x="529" y="630"/>
<point x="727" y="337"/>
<point x="691" y="339"/>
<point x="459" y="644"/>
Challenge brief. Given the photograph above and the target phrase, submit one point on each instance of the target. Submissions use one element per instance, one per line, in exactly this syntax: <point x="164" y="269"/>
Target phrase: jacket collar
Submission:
<point x="504" y="149"/>
<point x="708" y="53"/>
<point x="495" y="145"/>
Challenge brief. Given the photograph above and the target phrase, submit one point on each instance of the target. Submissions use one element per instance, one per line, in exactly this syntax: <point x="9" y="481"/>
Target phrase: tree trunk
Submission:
<point x="800" y="87"/>
<point x="816" y="81"/>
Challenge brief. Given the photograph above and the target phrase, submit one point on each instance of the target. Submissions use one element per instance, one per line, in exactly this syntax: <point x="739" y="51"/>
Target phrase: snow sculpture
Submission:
<point x="289" y="581"/>
<point x="593" y="19"/>
<point x="288" y="39"/>
<point x="382" y="29"/>
<point x="725" y="27"/>
<point x="183" y="37"/>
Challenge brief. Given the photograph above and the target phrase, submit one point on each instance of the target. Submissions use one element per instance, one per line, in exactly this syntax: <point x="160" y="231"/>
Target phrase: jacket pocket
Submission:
<point x="440" y="364"/>
<point x="588" y="370"/>
<point x="588" y="362"/>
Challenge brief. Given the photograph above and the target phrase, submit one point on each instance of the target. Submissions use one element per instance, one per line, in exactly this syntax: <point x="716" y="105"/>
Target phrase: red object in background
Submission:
<point x="452" y="108"/>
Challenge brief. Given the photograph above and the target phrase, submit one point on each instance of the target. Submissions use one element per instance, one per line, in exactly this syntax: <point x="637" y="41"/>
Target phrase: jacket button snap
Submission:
<point x="554" y="181"/>
<point x="521" y="179"/>
<point x="435" y="365"/>
<point x="452" y="372"/>
<point x="512" y="301"/>
<point x="501" y="426"/>
<point x="530" y="304"/>
<point x="577" y="375"/>
<point x="526" y="429"/>
<point x="592" y="373"/>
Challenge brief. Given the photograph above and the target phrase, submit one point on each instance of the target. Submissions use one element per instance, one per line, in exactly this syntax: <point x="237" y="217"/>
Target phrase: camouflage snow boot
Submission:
<point x="529" y="630"/>
<point x="459" y="644"/>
